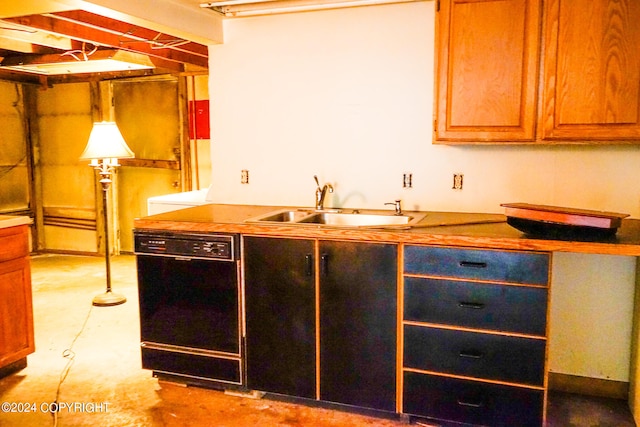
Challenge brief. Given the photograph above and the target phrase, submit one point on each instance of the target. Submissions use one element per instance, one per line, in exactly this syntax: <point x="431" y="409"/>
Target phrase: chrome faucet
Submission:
<point x="398" y="206"/>
<point x="321" y="193"/>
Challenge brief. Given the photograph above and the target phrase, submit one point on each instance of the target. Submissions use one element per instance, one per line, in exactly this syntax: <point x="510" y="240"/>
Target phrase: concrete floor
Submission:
<point x="104" y="380"/>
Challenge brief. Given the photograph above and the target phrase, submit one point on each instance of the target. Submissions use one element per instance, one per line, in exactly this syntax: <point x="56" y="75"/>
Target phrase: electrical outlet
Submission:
<point x="407" y="179"/>
<point x="244" y="176"/>
<point x="458" y="180"/>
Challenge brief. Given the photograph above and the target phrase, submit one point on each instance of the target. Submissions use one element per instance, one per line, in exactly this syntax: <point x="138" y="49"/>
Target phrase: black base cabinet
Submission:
<point x="475" y="336"/>
<point x="358" y="315"/>
<point x="472" y="402"/>
<point x="322" y="323"/>
<point x="475" y="354"/>
<point x="280" y="316"/>
<point x="351" y="287"/>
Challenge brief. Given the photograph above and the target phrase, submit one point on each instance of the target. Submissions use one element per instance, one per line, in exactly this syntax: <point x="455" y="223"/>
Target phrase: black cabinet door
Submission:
<point x="358" y="306"/>
<point x="280" y="315"/>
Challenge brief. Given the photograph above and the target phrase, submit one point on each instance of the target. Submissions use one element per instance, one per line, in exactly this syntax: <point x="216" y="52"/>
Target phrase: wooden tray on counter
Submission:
<point x="562" y="222"/>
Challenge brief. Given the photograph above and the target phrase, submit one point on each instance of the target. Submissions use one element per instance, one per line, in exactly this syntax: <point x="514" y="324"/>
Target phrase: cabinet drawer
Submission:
<point x="514" y="267"/>
<point x="193" y="365"/>
<point x="480" y="355"/>
<point x="14" y="242"/>
<point x="476" y="305"/>
<point x="471" y="402"/>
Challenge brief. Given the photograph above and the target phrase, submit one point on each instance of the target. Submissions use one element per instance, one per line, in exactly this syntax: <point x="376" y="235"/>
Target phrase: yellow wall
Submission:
<point x="348" y="95"/>
<point x="14" y="176"/>
<point x="64" y="124"/>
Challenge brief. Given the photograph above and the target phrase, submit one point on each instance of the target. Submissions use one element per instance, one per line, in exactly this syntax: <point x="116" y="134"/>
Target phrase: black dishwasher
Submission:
<point x="190" y="306"/>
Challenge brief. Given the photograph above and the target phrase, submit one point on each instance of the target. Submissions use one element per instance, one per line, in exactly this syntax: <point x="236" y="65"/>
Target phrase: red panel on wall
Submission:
<point x="199" y="119"/>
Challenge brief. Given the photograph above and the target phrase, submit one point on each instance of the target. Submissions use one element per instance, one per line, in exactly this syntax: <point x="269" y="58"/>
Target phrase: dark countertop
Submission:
<point x="478" y="230"/>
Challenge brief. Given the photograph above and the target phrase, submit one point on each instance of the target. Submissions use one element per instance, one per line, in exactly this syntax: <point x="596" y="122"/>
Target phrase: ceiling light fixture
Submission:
<point x="101" y="61"/>
<point x="231" y="3"/>
<point x="238" y="8"/>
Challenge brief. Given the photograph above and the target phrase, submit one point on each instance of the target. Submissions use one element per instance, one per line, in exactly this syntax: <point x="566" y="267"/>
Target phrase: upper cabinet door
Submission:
<point x="592" y="70"/>
<point x="487" y="73"/>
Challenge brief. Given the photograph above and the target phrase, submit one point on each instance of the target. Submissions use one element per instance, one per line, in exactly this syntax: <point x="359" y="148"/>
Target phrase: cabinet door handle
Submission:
<point x="471" y="354"/>
<point x="308" y="262"/>
<point x="324" y="264"/>
<point x="470" y="404"/>
<point x="471" y="305"/>
<point x="473" y="264"/>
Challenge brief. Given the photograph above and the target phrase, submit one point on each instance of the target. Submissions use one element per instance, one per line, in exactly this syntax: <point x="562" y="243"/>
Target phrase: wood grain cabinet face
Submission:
<point x="493" y="56"/>
<point x="592" y="70"/>
<point x="487" y="70"/>
<point x="16" y="307"/>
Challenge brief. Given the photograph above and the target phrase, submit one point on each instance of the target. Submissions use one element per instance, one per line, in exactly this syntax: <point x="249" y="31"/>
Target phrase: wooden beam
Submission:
<point x="15" y="45"/>
<point x="105" y="37"/>
<point x="27" y="35"/>
<point x="151" y="163"/>
<point x="134" y="32"/>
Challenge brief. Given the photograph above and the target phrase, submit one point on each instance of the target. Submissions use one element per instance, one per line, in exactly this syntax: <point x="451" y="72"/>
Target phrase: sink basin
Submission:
<point x="356" y="220"/>
<point x="339" y="218"/>
<point x="284" y="216"/>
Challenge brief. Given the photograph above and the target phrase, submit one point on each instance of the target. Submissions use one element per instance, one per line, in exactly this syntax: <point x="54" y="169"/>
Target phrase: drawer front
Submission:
<point x="192" y="365"/>
<point x="513" y="267"/>
<point x="476" y="305"/>
<point x="14" y="242"/>
<point x="471" y="402"/>
<point x="474" y="354"/>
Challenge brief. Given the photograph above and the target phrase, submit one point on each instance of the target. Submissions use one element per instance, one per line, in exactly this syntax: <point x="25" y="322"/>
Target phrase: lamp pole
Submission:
<point x="106" y="168"/>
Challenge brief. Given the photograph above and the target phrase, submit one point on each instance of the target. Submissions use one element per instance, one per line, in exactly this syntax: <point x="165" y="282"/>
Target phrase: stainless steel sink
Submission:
<point x="283" y="216"/>
<point x="356" y="219"/>
<point x="340" y="218"/>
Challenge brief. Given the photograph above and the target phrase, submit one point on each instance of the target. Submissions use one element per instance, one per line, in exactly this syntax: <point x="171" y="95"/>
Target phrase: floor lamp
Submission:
<point x="106" y="145"/>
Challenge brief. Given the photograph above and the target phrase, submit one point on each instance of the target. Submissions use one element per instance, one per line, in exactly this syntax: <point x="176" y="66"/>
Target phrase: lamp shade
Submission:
<point x="106" y="141"/>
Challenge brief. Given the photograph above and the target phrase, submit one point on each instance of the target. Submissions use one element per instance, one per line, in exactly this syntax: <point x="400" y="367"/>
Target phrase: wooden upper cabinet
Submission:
<point x="487" y="73"/>
<point x="592" y="70"/>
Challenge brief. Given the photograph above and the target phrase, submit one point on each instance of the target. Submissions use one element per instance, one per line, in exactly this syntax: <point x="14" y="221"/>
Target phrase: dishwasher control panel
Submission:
<point x="202" y="246"/>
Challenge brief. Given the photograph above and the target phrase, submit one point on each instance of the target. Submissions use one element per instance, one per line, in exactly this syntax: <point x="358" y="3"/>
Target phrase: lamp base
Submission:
<point x="109" y="299"/>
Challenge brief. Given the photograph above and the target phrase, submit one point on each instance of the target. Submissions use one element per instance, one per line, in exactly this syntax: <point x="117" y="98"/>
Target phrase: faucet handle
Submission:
<point x="398" y="206"/>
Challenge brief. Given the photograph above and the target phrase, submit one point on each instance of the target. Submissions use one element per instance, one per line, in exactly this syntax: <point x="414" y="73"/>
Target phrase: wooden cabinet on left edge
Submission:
<point x="16" y="309"/>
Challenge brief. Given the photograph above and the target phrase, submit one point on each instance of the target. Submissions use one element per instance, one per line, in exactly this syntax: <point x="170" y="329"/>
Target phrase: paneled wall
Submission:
<point x="15" y="191"/>
<point x="68" y="189"/>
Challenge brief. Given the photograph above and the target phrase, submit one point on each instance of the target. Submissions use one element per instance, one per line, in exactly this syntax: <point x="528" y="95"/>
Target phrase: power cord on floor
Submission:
<point x="70" y="356"/>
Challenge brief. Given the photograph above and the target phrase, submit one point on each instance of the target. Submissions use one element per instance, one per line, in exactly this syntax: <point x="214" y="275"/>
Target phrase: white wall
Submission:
<point x="348" y="95"/>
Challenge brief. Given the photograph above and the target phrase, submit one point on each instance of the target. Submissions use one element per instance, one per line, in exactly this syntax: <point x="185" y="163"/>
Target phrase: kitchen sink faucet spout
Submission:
<point x="321" y="192"/>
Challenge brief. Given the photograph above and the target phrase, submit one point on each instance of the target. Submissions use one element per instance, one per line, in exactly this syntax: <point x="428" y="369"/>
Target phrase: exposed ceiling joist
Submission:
<point x="100" y="31"/>
<point x="64" y="36"/>
<point x="30" y="36"/>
